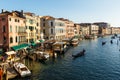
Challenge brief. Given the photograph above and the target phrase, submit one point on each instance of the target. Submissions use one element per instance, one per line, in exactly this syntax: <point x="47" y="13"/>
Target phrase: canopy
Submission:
<point x="10" y="52"/>
<point x="41" y="40"/>
<point x="33" y="44"/>
<point x="21" y="46"/>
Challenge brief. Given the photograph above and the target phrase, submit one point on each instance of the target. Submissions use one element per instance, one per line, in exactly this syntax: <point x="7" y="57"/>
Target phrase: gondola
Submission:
<point x="79" y="54"/>
<point x="103" y="43"/>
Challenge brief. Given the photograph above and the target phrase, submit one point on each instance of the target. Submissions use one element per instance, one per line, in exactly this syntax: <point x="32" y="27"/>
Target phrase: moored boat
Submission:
<point x="75" y="42"/>
<point x="42" y="55"/>
<point x="22" y="69"/>
<point x="60" y="47"/>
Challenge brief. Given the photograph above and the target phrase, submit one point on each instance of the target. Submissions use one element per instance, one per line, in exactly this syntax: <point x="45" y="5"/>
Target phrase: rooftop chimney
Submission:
<point x="22" y="11"/>
<point x="2" y="10"/>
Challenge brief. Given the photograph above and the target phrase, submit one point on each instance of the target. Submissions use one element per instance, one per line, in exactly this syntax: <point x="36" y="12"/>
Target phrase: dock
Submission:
<point x="11" y="73"/>
<point x="8" y="71"/>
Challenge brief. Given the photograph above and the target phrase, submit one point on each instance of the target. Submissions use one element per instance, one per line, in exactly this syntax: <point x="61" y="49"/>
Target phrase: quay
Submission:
<point x="8" y="71"/>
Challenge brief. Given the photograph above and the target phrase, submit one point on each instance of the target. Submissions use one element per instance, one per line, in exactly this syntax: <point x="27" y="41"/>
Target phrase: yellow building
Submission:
<point x="32" y="27"/>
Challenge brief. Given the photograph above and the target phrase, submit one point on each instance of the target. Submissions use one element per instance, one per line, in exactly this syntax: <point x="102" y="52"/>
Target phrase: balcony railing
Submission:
<point x="22" y="33"/>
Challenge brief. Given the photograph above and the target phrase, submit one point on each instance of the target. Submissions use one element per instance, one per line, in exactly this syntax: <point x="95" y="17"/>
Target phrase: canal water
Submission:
<point x="100" y="62"/>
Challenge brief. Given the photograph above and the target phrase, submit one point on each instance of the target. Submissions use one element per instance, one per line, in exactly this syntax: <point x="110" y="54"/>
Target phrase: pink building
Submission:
<point x="12" y="27"/>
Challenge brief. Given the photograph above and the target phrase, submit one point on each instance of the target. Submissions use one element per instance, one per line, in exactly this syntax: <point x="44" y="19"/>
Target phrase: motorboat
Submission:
<point x="42" y="55"/>
<point x="22" y="69"/>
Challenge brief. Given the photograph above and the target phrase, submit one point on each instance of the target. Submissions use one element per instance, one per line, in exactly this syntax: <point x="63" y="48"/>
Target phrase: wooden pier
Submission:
<point x="11" y="73"/>
<point x="8" y="71"/>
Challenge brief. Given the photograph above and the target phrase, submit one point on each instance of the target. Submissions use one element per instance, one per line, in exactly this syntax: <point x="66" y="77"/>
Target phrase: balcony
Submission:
<point x="22" y="33"/>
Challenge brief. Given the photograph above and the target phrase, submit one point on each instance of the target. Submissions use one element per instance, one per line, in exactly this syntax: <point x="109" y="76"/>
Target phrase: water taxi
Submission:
<point x="22" y="69"/>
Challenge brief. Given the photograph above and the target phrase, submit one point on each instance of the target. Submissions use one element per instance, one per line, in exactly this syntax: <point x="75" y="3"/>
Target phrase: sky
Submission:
<point x="78" y="11"/>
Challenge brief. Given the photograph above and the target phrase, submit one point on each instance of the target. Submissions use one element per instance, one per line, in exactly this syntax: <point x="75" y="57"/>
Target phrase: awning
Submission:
<point x="37" y="41"/>
<point x="10" y="52"/>
<point x="21" y="46"/>
<point x="41" y="40"/>
<point x="33" y="44"/>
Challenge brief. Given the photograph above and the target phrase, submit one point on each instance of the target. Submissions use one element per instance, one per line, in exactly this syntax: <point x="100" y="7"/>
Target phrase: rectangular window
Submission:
<point x="37" y="31"/>
<point x="9" y="19"/>
<point x="4" y="39"/>
<point x="51" y="31"/>
<point x="18" y="20"/>
<point x="24" y="21"/>
<point x="31" y="21"/>
<point x="37" y="24"/>
<point x="11" y="40"/>
<point x="43" y="24"/>
<point x="10" y="28"/>
<point x="4" y="29"/>
<point x="44" y="31"/>
<point x="51" y="24"/>
<point x="16" y="39"/>
<point x="3" y="19"/>
<point x="15" y="20"/>
<point x="43" y="19"/>
<point x="16" y="29"/>
<point x="31" y="28"/>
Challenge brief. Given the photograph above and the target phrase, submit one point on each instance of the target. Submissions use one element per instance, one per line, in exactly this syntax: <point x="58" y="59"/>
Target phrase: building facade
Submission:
<point x="12" y="26"/>
<point x="85" y="28"/>
<point x="102" y="27"/>
<point x="52" y="28"/>
<point x="94" y="29"/>
<point x="32" y="25"/>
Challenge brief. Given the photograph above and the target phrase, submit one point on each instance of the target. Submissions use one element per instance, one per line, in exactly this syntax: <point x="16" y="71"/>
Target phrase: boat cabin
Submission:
<point x="67" y="41"/>
<point x="11" y="56"/>
<point x="60" y="47"/>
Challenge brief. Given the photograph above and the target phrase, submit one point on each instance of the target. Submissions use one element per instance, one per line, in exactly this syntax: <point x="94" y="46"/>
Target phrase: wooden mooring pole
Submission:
<point x="6" y="74"/>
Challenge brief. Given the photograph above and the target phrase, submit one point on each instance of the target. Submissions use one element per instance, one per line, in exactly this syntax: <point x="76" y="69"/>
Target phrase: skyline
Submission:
<point x="78" y="11"/>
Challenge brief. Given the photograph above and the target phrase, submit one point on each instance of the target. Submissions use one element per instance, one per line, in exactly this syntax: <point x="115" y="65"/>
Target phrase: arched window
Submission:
<point x="11" y="40"/>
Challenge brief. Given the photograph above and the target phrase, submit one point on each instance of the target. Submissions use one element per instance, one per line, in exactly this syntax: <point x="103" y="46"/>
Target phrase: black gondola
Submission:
<point x="103" y="43"/>
<point x="79" y="54"/>
<point x="111" y="41"/>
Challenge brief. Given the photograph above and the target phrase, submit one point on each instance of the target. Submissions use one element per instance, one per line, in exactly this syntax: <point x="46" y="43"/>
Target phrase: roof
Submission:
<point x="48" y="17"/>
<point x="10" y="52"/>
<point x="18" y="47"/>
<point x="59" y="43"/>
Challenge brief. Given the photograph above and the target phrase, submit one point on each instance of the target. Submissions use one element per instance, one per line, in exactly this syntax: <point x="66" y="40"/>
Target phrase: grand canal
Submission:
<point x="99" y="63"/>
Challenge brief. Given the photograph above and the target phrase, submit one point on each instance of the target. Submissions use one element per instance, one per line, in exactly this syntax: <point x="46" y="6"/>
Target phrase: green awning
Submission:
<point x="41" y="40"/>
<point x="33" y="44"/>
<point x="18" y="47"/>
